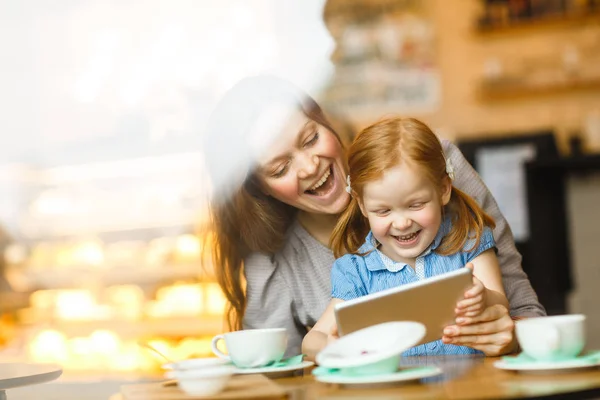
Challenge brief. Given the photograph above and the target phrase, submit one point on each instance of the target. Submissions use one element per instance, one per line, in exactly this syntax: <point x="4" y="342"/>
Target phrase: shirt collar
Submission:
<point x="375" y="260"/>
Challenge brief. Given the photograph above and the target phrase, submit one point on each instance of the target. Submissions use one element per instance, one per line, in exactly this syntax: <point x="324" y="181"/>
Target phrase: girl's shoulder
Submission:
<point x="351" y="262"/>
<point x="486" y="241"/>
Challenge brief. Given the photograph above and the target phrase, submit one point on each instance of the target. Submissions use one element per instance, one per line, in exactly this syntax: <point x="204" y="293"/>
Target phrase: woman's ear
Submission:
<point x="446" y="191"/>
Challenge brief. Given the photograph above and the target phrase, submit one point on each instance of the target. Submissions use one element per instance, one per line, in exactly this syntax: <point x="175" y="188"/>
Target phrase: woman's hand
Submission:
<point x="492" y="332"/>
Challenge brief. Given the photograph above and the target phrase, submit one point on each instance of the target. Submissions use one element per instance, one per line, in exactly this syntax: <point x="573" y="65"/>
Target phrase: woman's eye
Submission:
<point x="382" y="213"/>
<point x="279" y="172"/>
<point x="313" y="139"/>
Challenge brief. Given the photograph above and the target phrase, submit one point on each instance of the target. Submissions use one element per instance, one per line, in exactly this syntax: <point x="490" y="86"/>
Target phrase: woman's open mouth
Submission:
<point x="323" y="185"/>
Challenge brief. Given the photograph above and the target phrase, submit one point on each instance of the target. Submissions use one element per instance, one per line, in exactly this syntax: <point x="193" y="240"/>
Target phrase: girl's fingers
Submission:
<point x="469" y="302"/>
<point x="477" y="289"/>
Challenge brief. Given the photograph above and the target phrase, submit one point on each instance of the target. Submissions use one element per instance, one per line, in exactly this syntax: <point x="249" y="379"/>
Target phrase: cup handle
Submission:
<point x="215" y="350"/>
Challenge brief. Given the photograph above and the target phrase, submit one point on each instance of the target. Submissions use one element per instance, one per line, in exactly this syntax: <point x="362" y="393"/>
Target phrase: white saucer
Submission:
<point x="538" y="366"/>
<point x="269" y="370"/>
<point x="400" y="376"/>
<point x="371" y="345"/>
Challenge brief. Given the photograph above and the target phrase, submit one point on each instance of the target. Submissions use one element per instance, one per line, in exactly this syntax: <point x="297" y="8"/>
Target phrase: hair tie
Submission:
<point x="348" y="187"/>
<point x="450" y="169"/>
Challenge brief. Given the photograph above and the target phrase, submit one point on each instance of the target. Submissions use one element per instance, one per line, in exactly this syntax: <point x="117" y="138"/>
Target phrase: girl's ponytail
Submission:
<point x="468" y="222"/>
<point x="350" y="231"/>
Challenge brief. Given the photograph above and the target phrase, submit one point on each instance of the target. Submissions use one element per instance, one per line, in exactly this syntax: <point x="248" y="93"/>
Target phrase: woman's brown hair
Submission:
<point x="246" y="220"/>
<point x="385" y="145"/>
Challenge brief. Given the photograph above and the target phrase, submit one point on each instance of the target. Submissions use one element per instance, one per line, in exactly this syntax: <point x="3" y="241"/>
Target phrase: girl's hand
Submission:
<point x="474" y="301"/>
<point x="333" y="334"/>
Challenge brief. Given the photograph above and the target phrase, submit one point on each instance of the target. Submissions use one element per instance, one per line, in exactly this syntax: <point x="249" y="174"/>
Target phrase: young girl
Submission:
<point x="420" y="226"/>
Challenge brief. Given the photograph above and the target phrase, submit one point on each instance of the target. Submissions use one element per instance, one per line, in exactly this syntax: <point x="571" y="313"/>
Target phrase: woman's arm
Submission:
<point x="317" y="338"/>
<point x="521" y="296"/>
<point x="269" y="303"/>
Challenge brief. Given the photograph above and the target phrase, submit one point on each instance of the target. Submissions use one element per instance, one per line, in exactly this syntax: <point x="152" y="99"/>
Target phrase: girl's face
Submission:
<point x="305" y="169"/>
<point x="404" y="210"/>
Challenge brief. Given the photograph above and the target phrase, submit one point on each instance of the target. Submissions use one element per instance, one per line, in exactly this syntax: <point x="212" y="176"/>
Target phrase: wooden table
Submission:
<point x="468" y="377"/>
<point x="464" y="377"/>
<point x="14" y="375"/>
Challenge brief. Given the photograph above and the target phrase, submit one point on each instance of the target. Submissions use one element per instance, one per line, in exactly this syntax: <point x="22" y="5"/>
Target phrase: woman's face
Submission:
<point x="305" y="168"/>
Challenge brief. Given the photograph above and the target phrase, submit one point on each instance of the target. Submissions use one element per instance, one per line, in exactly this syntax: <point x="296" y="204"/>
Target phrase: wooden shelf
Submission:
<point x="540" y="23"/>
<point x="202" y="325"/>
<point x="488" y="92"/>
<point x="79" y="277"/>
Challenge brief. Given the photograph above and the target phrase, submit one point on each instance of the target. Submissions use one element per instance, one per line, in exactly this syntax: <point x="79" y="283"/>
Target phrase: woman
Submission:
<point x="273" y="228"/>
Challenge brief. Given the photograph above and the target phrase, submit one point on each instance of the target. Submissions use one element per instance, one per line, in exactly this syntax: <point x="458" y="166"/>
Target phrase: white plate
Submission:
<point x="269" y="370"/>
<point x="400" y="376"/>
<point x="538" y="366"/>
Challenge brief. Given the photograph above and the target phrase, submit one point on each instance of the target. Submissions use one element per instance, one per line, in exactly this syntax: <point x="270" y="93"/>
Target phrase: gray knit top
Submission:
<point x="291" y="288"/>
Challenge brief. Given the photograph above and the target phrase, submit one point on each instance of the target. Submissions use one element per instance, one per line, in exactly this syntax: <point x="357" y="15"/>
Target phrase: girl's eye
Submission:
<point x="417" y="206"/>
<point x="313" y="139"/>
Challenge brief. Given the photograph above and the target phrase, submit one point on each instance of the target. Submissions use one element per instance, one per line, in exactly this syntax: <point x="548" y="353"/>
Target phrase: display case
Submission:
<point x="106" y="255"/>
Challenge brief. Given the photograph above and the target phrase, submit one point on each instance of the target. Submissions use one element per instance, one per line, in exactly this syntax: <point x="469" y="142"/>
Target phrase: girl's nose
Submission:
<point x="308" y="165"/>
<point x="402" y="223"/>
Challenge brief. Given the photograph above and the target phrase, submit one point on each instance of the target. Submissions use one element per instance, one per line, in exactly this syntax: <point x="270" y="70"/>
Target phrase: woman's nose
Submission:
<point x="308" y="165"/>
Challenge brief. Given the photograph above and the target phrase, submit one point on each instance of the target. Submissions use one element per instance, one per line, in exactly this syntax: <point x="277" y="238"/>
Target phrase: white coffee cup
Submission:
<point x="554" y="338"/>
<point x="252" y="348"/>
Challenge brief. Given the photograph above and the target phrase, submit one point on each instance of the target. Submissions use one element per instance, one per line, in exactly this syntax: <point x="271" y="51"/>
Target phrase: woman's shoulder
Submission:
<point x="448" y="147"/>
<point x="453" y="153"/>
<point x="302" y="254"/>
<point x="299" y="240"/>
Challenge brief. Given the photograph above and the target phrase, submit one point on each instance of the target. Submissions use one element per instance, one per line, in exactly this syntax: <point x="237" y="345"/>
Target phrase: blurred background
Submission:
<point x="104" y="102"/>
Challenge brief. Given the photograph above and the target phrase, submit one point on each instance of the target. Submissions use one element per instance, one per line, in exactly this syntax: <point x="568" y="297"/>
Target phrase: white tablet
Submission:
<point x="431" y="302"/>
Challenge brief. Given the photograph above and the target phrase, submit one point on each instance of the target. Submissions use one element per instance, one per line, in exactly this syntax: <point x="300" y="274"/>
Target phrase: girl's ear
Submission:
<point x="446" y="191"/>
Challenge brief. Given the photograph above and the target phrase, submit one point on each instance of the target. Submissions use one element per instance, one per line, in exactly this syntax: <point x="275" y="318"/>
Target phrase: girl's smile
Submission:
<point x="408" y="240"/>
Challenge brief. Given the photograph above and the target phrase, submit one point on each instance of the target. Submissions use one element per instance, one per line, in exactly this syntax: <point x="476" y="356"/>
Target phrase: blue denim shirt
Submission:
<point x="355" y="275"/>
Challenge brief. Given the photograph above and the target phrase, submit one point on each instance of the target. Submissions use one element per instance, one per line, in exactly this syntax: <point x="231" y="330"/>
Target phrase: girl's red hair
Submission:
<point x="385" y="145"/>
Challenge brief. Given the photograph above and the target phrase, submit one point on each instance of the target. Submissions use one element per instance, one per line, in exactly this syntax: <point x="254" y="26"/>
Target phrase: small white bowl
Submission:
<point x="202" y="381"/>
<point x="197" y="363"/>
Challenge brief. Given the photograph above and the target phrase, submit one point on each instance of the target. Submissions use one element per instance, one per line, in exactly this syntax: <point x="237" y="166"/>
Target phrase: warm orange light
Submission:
<point x="215" y="300"/>
<point x="104" y="349"/>
<point x="49" y="346"/>
<point x="75" y="304"/>
<point x="126" y="301"/>
<point x="187" y="249"/>
<point x="177" y="300"/>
